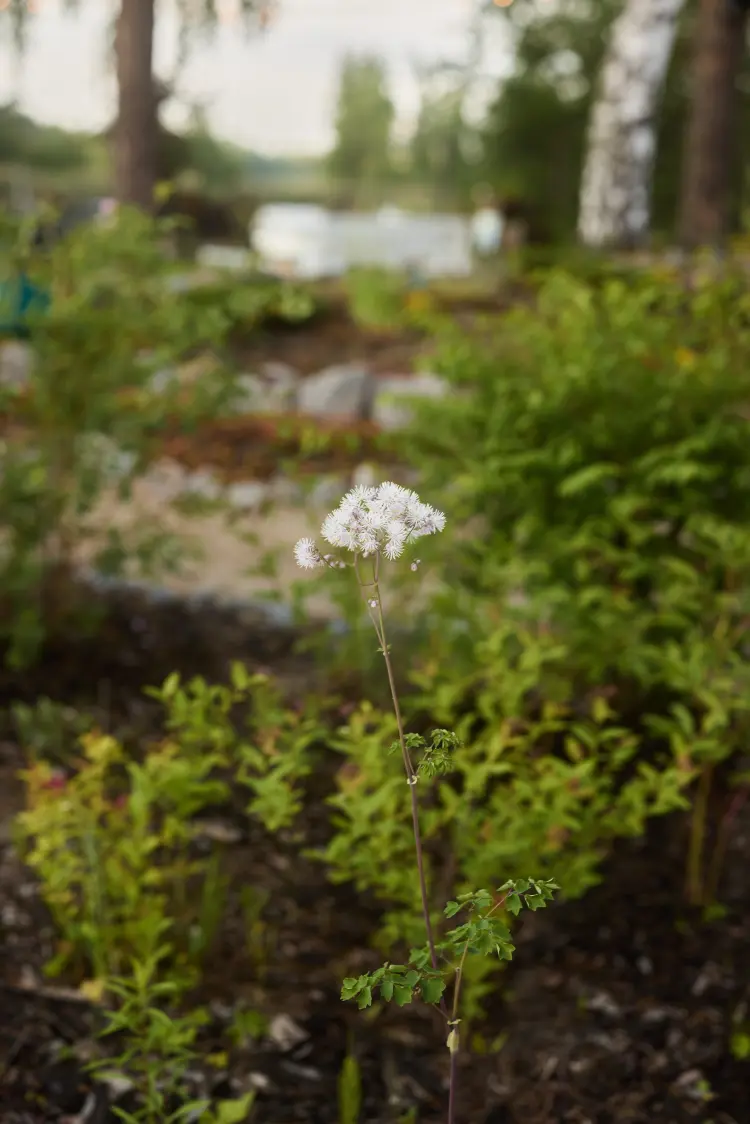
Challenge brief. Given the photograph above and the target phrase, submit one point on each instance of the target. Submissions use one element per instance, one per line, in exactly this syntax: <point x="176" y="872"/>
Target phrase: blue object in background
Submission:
<point x="19" y="297"/>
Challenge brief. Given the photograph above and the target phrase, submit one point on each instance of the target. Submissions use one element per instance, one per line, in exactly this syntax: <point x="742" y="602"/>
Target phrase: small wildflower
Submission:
<point x="307" y="554"/>
<point x="369" y="521"/>
<point x="373" y="603"/>
<point x="415" y="564"/>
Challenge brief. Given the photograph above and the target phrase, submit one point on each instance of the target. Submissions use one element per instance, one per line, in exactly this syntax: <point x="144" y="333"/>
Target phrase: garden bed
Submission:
<point x="617" y="1008"/>
<point x="257" y="447"/>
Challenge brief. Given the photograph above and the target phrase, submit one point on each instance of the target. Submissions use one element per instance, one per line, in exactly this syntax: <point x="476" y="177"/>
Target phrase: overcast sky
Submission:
<point x="274" y="93"/>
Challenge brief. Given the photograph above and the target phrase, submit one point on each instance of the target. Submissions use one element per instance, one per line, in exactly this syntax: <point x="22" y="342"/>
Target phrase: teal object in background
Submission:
<point x="19" y="297"/>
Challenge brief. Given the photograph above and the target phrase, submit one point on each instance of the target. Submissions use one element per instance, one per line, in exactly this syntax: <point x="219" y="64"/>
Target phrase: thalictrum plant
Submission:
<point x="372" y="527"/>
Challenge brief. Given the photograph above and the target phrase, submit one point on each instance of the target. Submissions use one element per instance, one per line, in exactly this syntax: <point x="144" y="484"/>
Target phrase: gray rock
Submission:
<point x="327" y="491"/>
<point x="15" y="363"/>
<point x="248" y="495"/>
<point x="343" y="391"/>
<point x="391" y="403"/>
<point x="285" y="1033"/>
<point x="204" y="484"/>
<point x="273" y="390"/>
<point x="103" y="454"/>
<point x="163" y="380"/>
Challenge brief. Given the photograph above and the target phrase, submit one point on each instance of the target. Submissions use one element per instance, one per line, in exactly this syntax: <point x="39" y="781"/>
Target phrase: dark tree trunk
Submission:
<point x="136" y="126"/>
<point x="712" y="141"/>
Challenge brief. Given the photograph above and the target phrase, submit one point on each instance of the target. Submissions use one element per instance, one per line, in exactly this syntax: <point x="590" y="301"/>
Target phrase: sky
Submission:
<point x="274" y="93"/>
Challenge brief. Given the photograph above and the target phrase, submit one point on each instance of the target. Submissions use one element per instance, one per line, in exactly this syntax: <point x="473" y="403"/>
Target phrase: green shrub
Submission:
<point x="112" y="842"/>
<point x="85" y="422"/>
<point x="376" y="297"/>
<point x="586" y="643"/>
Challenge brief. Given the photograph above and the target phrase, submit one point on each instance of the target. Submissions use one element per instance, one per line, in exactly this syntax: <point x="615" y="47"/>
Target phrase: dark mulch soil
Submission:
<point x="618" y="1009"/>
<point x="254" y="447"/>
<point x="333" y="336"/>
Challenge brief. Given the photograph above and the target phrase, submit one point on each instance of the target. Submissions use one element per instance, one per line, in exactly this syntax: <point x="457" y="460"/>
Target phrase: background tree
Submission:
<point x="537" y="122"/>
<point x="360" y="160"/>
<point x="135" y="155"/>
<point x="442" y="148"/>
<point x="714" y="158"/>
<point x="540" y="117"/>
<point x="135" y="132"/>
<point x="615" y="199"/>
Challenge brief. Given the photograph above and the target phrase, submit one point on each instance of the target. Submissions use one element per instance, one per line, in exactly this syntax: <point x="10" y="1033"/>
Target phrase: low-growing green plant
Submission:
<point x="49" y="728"/>
<point x="377" y="298"/>
<point x="375" y="525"/>
<point x="84" y="424"/>
<point x="599" y="447"/>
<point x="111" y="847"/>
<point x="112" y="843"/>
<point x="350" y="1091"/>
<point x="271" y="750"/>
<point x="157" y="1049"/>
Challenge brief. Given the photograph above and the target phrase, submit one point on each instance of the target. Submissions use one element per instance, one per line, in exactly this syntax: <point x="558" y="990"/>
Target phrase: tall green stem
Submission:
<point x="371" y="592"/>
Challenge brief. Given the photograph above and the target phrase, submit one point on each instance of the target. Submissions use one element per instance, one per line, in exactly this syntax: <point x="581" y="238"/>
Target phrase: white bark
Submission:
<point x="615" y="199"/>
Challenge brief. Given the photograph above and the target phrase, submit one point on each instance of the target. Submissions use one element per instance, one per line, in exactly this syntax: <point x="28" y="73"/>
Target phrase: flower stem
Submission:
<point x="371" y="592"/>
<point x="411" y="778"/>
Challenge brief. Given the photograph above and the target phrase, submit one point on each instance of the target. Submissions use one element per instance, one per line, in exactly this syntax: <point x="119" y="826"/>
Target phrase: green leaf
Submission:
<point x="364" y="999"/>
<point x="402" y="994"/>
<point x="585" y="478"/>
<point x="240" y="676"/>
<point x="235" y="1111"/>
<point x="432" y="989"/>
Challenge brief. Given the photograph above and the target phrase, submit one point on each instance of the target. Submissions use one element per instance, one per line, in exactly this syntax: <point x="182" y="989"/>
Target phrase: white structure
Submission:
<point x="487" y="231"/>
<point x="303" y="241"/>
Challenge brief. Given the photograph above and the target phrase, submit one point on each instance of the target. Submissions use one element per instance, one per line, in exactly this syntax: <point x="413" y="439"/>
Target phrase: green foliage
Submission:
<point x="350" y="1091"/>
<point x="86" y="422"/>
<point x="484" y="933"/>
<point x="42" y="147"/>
<point x="547" y="792"/>
<point x="112" y="844"/>
<point x="111" y="847"/>
<point x="586" y="640"/>
<point x="600" y="449"/>
<point x="157" y="1049"/>
<point x="376" y="297"/>
<point x="271" y="754"/>
<point x="540" y="115"/>
<point x="247" y="302"/>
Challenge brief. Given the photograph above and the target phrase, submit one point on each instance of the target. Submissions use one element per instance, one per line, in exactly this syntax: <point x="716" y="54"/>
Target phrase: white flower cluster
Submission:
<point x="370" y="521"/>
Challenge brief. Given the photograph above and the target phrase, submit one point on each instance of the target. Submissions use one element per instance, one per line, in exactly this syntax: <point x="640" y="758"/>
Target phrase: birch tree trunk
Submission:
<point x="711" y="147"/>
<point x="615" y="198"/>
<point x="135" y="133"/>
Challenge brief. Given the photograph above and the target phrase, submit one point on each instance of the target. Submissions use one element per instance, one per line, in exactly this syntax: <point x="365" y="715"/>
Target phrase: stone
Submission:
<point x="204" y="484"/>
<point x="285" y="1033"/>
<point x="102" y="454"/>
<point x="390" y="408"/>
<point x="327" y="491"/>
<point x="344" y="392"/>
<point x="248" y="495"/>
<point x="187" y="374"/>
<point x="15" y="363"/>
<point x="273" y="390"/>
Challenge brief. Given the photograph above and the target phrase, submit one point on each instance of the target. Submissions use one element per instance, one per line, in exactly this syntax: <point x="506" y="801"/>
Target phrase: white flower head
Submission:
<point x="307" y="555"/>
<point x="372" y="521"/>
